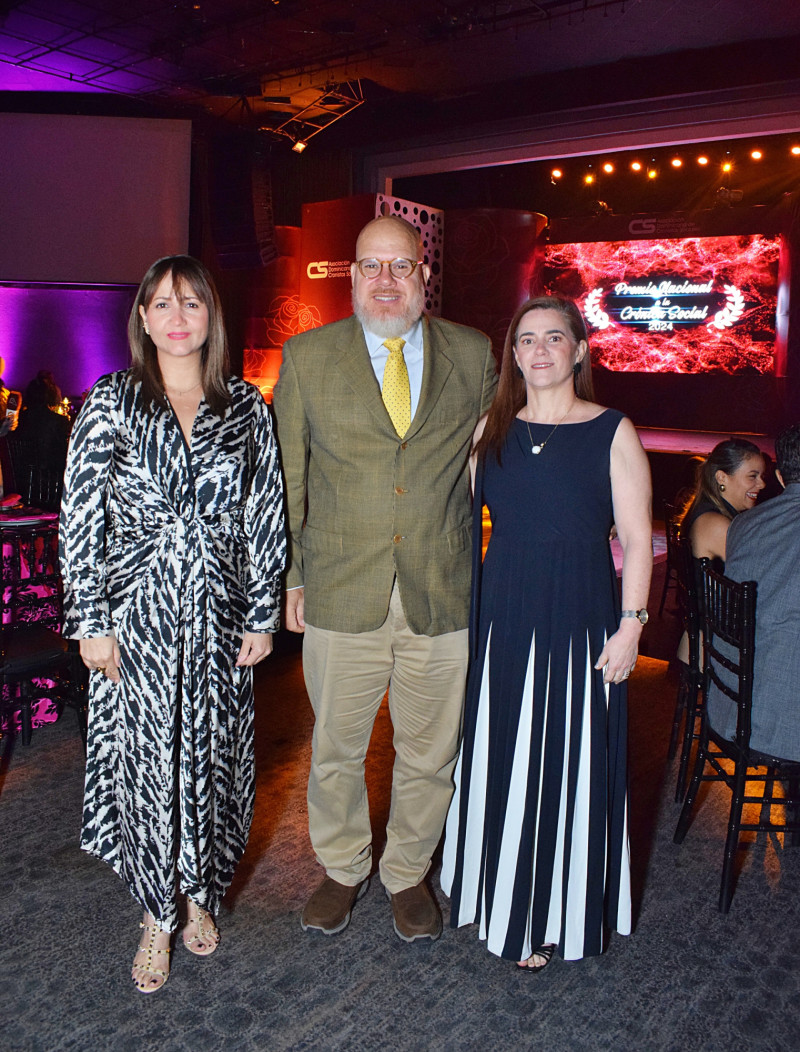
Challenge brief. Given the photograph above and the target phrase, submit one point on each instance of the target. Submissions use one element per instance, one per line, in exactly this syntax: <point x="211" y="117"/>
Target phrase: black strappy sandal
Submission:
<point x="545" y="951"/>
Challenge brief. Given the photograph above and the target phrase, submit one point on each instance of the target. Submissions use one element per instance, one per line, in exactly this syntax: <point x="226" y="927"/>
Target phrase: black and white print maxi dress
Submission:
<point x="536" y="845"/>
<point x="176" y="548"/>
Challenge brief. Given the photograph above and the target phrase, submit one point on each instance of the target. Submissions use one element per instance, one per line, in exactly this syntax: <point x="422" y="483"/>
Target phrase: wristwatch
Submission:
<point x="640" y="615"/>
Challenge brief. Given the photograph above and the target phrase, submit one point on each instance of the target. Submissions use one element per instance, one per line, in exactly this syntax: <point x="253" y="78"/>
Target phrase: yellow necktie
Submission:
<point x="396" y="388"/>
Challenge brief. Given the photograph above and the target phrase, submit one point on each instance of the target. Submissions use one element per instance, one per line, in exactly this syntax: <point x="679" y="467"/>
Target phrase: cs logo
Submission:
<point x="642" y="226"/>
<point x="318" y="269"/>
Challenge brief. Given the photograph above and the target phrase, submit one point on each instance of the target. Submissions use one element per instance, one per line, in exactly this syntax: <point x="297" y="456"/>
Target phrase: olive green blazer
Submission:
<point x="364" y="506"/>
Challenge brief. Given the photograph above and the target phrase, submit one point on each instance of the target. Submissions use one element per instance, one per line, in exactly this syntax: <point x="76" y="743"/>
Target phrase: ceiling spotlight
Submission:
<point x="702" y="159"/>
<point x="299" y="146"/>
<point x="796" y="150"/>
<point x="727" y="167"/>
<point x="652" y="173"/>
<point x="756" y="155"/>
<point x="556" y="173"/>
<point x="588" y="179"/>
<point x="636" y="166"/>
<point x="608" y="167"/>
<point x="676" y="162"/>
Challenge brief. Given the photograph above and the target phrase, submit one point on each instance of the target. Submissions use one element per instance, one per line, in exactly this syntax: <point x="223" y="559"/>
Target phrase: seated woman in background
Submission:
<point x="46" y="430"/>
<point x="728" y="482"/>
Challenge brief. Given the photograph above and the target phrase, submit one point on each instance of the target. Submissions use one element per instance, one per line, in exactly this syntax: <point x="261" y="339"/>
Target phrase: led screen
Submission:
<point x="678" y="305"/>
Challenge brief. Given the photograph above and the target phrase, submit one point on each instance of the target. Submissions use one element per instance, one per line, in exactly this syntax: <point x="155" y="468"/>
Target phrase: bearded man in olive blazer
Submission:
<point x="379" y="577"/>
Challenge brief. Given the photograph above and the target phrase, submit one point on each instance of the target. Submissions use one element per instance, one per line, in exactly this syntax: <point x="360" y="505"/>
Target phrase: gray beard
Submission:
<point x="391" y="327"/>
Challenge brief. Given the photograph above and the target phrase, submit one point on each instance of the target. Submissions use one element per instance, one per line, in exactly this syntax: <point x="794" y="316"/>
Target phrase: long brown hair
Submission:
<point x="511" y="395"/>
<point x="186" y="273"/>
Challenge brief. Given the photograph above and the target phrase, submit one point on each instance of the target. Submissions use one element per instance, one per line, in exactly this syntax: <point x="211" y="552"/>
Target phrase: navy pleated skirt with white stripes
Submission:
<point x="536" y="847"/>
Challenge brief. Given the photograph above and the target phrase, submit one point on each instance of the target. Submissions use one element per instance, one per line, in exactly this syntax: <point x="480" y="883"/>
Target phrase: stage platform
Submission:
<point x="664" y="440"/>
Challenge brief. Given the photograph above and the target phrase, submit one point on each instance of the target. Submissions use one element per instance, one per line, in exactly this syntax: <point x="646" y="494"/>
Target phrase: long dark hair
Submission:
<point x="511" y="395"/>
<point x="727" y="456"/>
<point x="186" y="273"/>
<point x="41" y="391"/>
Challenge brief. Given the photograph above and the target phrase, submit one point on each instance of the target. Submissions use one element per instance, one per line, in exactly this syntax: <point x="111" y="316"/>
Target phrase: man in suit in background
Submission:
<point x="763" y="545"/>
<point x="374" y="441"/>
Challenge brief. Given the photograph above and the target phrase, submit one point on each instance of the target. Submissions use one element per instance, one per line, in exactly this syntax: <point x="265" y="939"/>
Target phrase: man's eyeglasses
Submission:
<point x="398" y="268"/>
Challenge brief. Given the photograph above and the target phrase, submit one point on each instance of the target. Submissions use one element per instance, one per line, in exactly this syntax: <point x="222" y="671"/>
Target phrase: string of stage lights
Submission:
<point x="652" y="168"/>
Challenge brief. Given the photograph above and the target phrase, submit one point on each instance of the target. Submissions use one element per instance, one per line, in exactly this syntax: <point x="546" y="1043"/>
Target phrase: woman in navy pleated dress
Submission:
<point x="536" y="847"/>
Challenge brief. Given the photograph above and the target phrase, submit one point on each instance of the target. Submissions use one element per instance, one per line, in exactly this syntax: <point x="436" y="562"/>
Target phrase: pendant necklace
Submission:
<point x="537" y="447"/>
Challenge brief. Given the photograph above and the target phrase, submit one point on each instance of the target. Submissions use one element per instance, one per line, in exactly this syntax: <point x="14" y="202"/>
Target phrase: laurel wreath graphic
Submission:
<point x="594" y="314"/>
<point x="731" y="312"/>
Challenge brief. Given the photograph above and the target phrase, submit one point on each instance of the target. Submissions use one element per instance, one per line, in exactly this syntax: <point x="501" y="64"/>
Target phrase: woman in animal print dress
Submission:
<point x="172" y="550"/>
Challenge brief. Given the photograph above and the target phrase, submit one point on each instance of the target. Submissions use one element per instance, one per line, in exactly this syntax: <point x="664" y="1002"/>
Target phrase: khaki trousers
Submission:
<point x="346" y="678"/>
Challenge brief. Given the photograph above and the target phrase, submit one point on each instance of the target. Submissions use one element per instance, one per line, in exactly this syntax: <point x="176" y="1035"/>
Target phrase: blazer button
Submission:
<point x="399" y="490"/>
<point x="397" y="538"/>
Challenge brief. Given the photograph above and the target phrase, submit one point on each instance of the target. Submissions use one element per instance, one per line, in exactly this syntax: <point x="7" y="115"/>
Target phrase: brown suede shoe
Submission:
<point x="328" y="909"/>
<point x="416" y="915"/>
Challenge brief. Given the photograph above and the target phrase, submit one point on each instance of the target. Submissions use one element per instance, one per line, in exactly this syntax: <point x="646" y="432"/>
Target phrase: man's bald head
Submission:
<point x="396" y="225"/>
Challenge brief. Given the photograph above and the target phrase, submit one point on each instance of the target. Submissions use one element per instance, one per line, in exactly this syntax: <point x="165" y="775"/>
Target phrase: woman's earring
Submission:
<point x="576" y="369"/>
<point x="146" y="329"/>
<point x="722" y="487"/>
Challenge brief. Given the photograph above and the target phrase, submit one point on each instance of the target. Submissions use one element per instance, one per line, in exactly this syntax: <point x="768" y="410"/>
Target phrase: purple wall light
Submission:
<point x="77" y="332"/>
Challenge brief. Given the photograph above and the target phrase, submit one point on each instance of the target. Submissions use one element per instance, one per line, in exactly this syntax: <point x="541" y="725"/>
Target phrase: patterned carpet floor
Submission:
<point x="687" y="979"/>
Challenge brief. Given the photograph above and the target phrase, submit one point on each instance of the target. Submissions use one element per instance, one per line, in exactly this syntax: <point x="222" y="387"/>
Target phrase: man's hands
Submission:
<point x="295" y="621"/>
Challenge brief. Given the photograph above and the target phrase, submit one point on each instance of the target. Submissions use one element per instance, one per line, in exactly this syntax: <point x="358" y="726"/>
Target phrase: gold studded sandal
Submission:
<point x="206" y="934"/>
<point x="151" y="977"/>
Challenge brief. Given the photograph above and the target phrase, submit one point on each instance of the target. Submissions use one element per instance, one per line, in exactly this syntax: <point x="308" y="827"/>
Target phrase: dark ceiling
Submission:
<point x="257" y="61"/>
<point x="420" y="65"/>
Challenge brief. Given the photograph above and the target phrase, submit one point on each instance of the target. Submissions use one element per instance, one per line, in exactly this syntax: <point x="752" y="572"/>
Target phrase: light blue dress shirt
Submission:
<point x="412" y="352"/>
